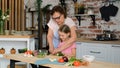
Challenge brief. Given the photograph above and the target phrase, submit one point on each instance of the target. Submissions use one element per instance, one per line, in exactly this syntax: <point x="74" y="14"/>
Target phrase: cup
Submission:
<point x="88" y="58"/>
<point x="13" y="32"/>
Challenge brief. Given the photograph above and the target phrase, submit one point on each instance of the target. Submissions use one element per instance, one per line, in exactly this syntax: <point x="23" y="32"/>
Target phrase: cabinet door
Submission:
<point x="79" y="50"/>
<point x="115" y="54"/>
<point x="4" y="63"/>
<point x="95" y="49"/>
<point x="0" y="63"/>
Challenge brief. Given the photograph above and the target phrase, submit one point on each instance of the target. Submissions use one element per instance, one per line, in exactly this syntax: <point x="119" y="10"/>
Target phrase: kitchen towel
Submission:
<point x="47" y="61"/>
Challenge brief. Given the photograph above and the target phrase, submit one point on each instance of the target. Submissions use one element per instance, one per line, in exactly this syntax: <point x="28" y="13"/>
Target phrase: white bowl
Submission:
<point x="88" y="58"/>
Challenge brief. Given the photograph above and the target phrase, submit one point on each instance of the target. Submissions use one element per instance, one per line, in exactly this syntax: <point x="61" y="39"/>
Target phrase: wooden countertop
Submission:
<point x="95" y="64"/>
<point x="94" y="41"/>
<point x="17" y="36"/>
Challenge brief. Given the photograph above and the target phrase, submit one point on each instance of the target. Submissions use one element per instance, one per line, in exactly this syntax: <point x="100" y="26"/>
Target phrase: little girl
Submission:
<point x="64" y="34"/>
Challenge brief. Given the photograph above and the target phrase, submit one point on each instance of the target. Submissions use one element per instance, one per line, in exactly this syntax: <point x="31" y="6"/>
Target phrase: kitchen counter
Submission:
<point x="17" y="36"/>
<point x="22" y="58"/>
<point x="94" y="41"/>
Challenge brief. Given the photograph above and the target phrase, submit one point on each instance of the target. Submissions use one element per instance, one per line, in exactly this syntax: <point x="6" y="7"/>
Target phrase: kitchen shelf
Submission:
<point x="78" y="16"/>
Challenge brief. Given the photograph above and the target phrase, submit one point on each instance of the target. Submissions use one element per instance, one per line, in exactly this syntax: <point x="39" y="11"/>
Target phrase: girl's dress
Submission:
<point x="67" y="51"/>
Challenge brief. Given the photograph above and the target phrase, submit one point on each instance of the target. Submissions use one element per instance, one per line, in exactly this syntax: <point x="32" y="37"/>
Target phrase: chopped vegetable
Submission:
<point x="60" y="54"/>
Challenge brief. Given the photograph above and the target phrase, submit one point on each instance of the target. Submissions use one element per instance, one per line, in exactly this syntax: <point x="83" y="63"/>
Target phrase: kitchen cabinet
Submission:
<point x="102" y="52"/>
<point x="114" y="55"/>
<point x="3" y="63"/>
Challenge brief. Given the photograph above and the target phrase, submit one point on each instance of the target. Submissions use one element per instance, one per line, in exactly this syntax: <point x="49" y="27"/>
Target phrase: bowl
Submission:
<point x="43" y="51"/>
<point x="22" y="50"/>
<point x="88" y="58"/>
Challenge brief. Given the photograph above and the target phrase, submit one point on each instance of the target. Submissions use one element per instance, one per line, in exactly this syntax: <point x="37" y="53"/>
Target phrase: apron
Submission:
<point x="56" y="39"/>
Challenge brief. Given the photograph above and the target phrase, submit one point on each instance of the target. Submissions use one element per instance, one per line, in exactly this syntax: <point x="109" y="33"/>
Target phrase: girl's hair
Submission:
<point x="59" y="9"/>
<point x="64" y="28"/>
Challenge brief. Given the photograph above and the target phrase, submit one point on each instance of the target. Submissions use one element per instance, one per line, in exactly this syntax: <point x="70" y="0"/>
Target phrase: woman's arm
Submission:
<point x="50" y="40"/>
<point x="69" y="42"/>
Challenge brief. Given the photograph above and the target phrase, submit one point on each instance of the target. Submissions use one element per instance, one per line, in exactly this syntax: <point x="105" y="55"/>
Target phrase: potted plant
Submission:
<point x="81" y="9"/>
<point x="46" y="17"/>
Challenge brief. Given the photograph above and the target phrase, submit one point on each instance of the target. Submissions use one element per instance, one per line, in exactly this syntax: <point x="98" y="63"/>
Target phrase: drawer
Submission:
<point x="98" y="50"/>
<point x="99" y="53"/>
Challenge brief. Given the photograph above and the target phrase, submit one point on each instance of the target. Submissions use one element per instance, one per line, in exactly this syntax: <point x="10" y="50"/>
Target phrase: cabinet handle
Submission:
<point x="115" y="45"/>
<point x="95" y="52"/>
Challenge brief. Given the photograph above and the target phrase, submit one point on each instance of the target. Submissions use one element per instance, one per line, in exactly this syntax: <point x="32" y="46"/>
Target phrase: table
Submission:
<point x="22" y="58"/>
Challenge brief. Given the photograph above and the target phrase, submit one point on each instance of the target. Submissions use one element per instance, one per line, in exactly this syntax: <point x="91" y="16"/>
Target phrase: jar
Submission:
<point x="2" y="51"/>
<point x="90" y="11"/>
<point x="13" y="51"/>
<point x="76" y="5"/>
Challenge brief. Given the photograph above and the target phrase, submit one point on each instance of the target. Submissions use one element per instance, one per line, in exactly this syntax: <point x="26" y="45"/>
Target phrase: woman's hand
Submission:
<point x="51" y="49"/>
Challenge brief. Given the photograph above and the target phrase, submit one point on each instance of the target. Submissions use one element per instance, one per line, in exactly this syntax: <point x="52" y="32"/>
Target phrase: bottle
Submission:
<point x="76" y="5"/>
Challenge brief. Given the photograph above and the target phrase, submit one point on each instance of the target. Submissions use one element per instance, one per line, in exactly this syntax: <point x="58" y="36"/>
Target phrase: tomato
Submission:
<point x="76" y="63"/>
<point x="61" y="60"/>
<point x="29" y="52"/>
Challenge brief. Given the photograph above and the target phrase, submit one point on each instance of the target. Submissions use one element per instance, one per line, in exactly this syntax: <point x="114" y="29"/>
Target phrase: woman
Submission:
<point x="59" y="18"/>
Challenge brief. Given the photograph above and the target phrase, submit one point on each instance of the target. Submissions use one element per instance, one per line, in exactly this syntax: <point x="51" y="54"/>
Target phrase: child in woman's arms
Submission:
<point x="64" y="34"/>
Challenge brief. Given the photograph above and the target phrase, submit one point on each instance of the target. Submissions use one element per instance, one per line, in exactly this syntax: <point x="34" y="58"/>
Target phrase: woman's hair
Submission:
<point x="64" y="28"/>
<point x="59" y="9"/>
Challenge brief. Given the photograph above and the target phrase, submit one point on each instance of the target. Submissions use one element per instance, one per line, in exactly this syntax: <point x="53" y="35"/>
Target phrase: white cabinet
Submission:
<point x="4" y="63"/>
<point x="102" y="52"/>
<point x="114" y="56"/>
<point x="17" y="43"/>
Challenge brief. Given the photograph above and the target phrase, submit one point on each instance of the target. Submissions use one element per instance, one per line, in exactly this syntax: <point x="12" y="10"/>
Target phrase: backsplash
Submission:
<point x="85" y="25"/>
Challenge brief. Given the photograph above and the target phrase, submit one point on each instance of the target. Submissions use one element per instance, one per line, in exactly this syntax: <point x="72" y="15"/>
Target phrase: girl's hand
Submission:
<point x="56" y="51"/>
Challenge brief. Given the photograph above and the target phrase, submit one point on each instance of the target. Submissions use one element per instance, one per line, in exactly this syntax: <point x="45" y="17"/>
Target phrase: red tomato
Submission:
<point x="61" y="60"/>
<point x="29" y="52"/>
<point x="76" y="63"/>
